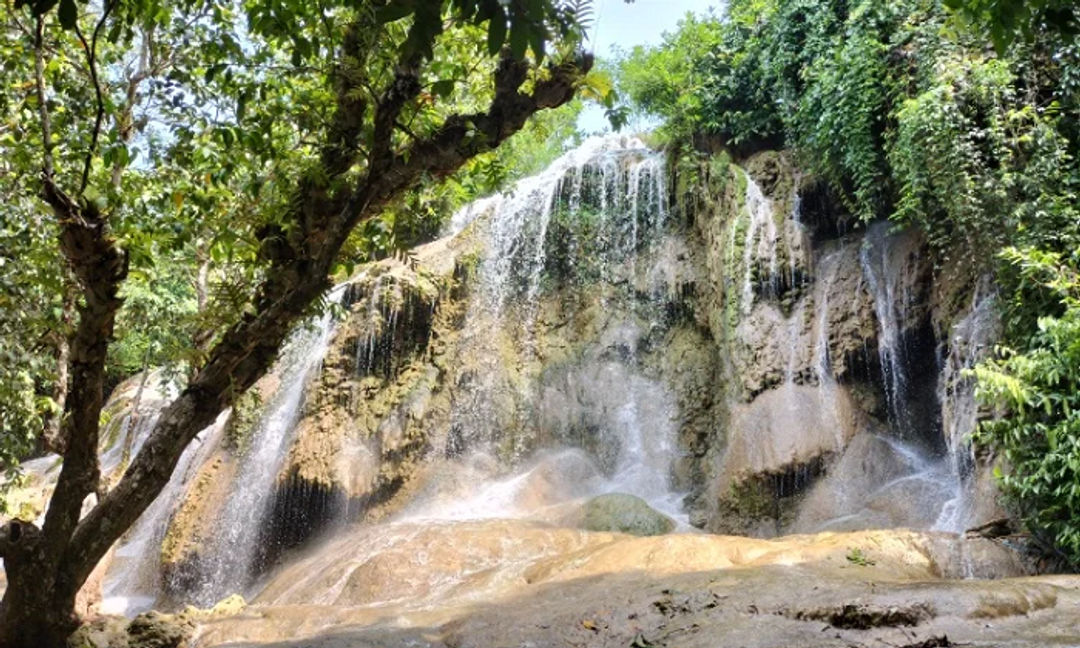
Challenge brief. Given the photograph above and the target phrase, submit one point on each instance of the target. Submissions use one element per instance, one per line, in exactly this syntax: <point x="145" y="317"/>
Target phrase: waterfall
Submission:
<point x="584" y="221"/>
<point x="969" y="341"/>
<point x="759" y="246"/>
<point x="132" y="583"/>
<point x="827" y="269"/>
<point x="546" y="380"/>
<point x="890" y="303"/>
<point x="231" y="555"/>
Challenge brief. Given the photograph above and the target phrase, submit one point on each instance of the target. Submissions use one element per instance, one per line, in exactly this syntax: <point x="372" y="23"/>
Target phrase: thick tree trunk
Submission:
<point x="46" y="568"/>
<point x="28" y="616"/>
<point x="38" y="608"/>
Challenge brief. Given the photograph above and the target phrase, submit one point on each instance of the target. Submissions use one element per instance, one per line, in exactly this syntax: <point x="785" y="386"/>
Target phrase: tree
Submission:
<point x="286" y="130"/>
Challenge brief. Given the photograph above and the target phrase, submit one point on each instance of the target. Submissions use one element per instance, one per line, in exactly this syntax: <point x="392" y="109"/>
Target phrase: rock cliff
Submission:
<point x="717" y="334"/>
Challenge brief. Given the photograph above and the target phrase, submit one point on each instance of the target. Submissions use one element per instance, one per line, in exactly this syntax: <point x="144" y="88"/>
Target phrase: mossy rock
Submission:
<point x="156" y="630"/>
<point x="148" y="630"/>
<point x="625" y="514"/>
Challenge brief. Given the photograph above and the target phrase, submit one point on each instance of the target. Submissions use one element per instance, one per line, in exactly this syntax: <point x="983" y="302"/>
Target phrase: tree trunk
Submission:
<point x="30" y="617"/>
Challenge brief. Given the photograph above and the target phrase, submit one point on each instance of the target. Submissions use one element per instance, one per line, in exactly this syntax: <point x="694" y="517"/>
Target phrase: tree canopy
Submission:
<point x="182" y="181"/>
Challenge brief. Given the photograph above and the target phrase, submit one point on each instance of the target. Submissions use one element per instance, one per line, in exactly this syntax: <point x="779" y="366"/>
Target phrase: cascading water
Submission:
<point x="230" y="558"/>
<point x="805" y="416"/>
<point x="889" y="307"/>
<point x="931" y="474"/>
<point x="827" y="267"/>
<point x="759" y="247"/>
<point x="132" y="583"/>
<point x="585" y="220"/>
<point x="968" y="343"/>
<point x="568" y="291"/>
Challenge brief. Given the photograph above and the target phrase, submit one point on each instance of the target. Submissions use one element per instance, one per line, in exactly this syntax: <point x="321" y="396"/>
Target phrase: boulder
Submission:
<point x="624" y="513"/>
<point x="157" y="630"/>
<point x="148" y="630"/>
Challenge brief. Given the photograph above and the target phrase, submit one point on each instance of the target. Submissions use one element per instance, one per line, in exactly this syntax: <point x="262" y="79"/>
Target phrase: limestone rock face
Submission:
<point x="193" y="521"/>
<point x="156" y="630"/>
<point x="850" y="328"/>
<point x="149" y="630"/>
<point x="831" y="337"/>
<point x="624" y="513"/>
<point x="789" y="426"/>
<point x="776" y="364"/>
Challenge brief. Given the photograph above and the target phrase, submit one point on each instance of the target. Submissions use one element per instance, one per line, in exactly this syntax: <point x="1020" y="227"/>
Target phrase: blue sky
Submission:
<point x="622" y="25"/>
<point x="639" y="23"/>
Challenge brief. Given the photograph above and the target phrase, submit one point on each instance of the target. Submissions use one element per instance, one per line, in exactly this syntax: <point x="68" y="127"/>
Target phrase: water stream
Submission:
<point x="132" y="583"/>
<point x="229" y="559"/>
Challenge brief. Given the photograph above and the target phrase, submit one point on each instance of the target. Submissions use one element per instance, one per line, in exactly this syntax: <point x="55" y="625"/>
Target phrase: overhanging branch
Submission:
<point x="247" y="350"/>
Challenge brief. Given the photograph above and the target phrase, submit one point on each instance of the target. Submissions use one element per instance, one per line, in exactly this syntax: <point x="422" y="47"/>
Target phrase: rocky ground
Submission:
<point x="521" y="583"/>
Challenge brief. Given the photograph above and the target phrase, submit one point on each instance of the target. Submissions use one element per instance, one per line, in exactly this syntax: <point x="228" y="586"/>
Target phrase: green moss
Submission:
<point x="751" y="500"/>
<point x="720" y="173"/>
<point x="856" y="556"/>
<point x="735" y="246"/>
<point x="741" y="181"/>
<point x="242" y="421"/>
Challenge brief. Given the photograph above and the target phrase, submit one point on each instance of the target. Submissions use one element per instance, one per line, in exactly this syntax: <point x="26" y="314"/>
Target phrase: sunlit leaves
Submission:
<point x="668" y="81"/>
<point x="214" y="114"/>
<point x="1038" y="389"/>
<point x="1006" y="21"/>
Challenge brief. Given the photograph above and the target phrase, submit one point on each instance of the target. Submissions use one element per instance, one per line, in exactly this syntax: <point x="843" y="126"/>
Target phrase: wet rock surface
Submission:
<point x="528" y="584"/>
<point x="148" y="630"/>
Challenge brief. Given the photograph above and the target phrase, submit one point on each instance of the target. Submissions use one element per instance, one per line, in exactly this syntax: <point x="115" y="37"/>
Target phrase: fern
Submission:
<point x="576" y="16"/>
<point x="581" y="12"/>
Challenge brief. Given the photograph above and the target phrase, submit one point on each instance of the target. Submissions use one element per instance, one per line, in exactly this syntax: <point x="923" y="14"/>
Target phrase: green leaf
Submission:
<point x="394" y="11"/>
<point x="212" y="71"/>
<point x="443" y="88"/>
<point x="241" y="106"/>
<point x="40" y="7"/>
<point x="496" y="35"/>
<point x="537" y="44"/>
<point x="68" y="14"/>
<point x="519" y="40"/>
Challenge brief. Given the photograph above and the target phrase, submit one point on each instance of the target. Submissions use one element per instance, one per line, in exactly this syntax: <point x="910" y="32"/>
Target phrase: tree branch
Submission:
<point x="125" y="118"/>
<point x="100" y="267"/>
<point x="91" y="63"/>
<point x="403" y="89"/>
<point x="43" y="108"/>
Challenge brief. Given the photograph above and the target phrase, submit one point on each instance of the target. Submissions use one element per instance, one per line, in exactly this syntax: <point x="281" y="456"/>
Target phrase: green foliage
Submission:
<point x="145" y="337"/>
<point x="203" y="117"/>
<point x="666" y="81"/>
<point x="903" y="115"/>
<point x="1006" y="20"/>
<point x="855" y="556"/>
<point x="1038" y="385"/>
<point x="32" y="288"/>
<point x="243" y="421"/>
